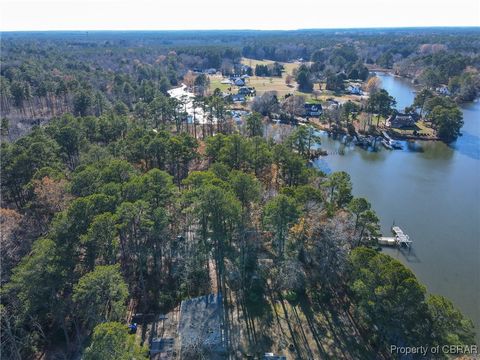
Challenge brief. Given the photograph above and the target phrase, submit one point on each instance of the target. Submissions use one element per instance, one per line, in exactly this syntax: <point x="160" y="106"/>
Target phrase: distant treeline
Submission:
<point x="45" y="74"/>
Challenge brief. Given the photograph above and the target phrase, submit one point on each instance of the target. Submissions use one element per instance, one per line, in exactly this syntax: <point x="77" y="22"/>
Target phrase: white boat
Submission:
<point x="395" y="144"/>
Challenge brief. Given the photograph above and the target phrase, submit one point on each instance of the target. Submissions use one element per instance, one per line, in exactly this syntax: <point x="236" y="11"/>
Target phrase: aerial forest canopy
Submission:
<point x="44" y="75"/>
<point x="113" y="200"/>
<point x="95" y="220"/>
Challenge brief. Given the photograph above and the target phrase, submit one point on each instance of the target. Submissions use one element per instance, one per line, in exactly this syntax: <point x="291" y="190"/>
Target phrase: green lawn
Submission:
<point x="263" y="84"/>
<point x="215" y="82"/>
<point x="420" y="127"/>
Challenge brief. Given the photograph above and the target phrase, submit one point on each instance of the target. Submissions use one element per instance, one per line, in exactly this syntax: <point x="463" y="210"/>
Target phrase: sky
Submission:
<point x="233" y="14"/>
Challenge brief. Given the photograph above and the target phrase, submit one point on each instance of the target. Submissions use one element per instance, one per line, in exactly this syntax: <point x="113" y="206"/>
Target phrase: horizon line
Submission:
<point x="252" y="29"/>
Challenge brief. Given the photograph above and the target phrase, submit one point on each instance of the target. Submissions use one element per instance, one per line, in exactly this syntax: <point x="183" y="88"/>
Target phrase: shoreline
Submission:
<point x="315" y="122"/>
<point x="417" y="86"/>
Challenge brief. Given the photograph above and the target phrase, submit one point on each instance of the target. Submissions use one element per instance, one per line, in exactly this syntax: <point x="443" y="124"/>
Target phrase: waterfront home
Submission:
<point x="238" y="98"/>
<point x="401" y="121"/>
<point x="247" y="91"/>
<point x="239" y="82"/>
<point x="245" y="69"/>
<point x="354" y="89"/>
<point x="332" y="104"/>
<point x="211" y="71"/>
<point x="443" y="90"/>
<point x="312" y="109"/>
<point x="244" y="91"/>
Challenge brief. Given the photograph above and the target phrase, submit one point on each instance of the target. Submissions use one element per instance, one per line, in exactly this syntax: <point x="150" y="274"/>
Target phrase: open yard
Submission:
<point x="289" y="66"/>
<point x="263" y="84"/>
<point x="216" y="82"/>
<point x="278" y="84"/>
<point x="421" y="128"/>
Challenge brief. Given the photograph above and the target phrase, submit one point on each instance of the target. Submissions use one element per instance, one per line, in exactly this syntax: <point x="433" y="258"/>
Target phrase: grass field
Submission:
<point x="420" y="127"/>
<point x="263" y="84"/>
<point x="289" y="67"/>
<point x="215" y="82"/>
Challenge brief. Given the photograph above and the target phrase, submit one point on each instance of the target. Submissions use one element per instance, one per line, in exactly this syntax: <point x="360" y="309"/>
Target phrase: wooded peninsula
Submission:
<point x="159" y="200"/>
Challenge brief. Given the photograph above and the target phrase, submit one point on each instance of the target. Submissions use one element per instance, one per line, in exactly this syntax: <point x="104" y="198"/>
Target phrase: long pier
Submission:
<point x="390" y="143"/>
<point x="386" y="136"/>
<point x="399" y="238"/>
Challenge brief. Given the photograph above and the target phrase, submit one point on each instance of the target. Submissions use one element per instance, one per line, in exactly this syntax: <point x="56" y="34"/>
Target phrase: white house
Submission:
<point x="354" y="89"/>
<point x="443" y="90"/>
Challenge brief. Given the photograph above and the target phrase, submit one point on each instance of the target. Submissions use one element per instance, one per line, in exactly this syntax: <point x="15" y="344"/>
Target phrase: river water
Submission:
<point x="432" y="191"/>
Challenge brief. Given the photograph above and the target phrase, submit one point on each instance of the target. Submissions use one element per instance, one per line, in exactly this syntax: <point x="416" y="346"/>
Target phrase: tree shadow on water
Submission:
<point x="468" y="145"/>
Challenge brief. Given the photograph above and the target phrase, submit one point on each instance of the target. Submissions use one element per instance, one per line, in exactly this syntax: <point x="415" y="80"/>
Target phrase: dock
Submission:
<point x="386" y="144"/>
<point x="399" y="238"/>
<point x="389" y="143"/>
<point x="386" y="136"/>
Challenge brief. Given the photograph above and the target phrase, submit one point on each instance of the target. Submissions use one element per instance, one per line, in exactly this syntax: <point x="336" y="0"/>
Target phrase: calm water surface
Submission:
<point x="432" y="191"/>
